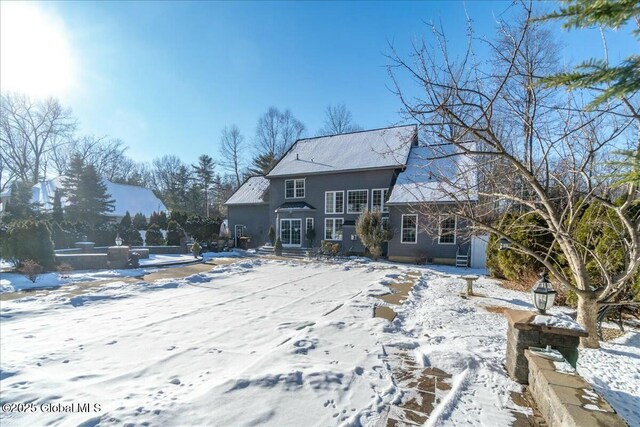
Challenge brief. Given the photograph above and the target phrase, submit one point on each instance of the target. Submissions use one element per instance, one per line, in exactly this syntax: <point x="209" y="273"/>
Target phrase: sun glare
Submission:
<point x="35" y="55"/>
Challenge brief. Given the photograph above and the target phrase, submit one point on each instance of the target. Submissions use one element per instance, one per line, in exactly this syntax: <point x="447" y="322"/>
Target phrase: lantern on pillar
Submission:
<point x="543" y="294"/>
<point x="118" y="240"/>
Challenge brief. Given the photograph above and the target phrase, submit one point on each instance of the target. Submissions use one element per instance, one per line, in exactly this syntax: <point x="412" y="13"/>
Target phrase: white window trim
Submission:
<point x="334" y="202"/>
<point x="295" y="188"/>
<point x="347" y="201"/>
<point x="333" y="227"/>
<point x="384" y="208"/>
<point x="455" y="230"/>
<point x="402" y="230"/>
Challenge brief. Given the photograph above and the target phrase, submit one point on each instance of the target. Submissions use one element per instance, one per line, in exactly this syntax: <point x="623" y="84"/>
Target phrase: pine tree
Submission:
<point x="617" y="81"/>
<point x="204" y="174"/>
<point x="263" y="164"/>
<point x="140" y="221"/>
<point x="57" y="213"/>
<point x="125" y="222"/>
<point x="20" y="205"/>
<point x="86" y="193"/>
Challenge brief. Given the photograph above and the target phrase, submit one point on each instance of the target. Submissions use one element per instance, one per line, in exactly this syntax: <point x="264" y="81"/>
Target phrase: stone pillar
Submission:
<point x="118" y="256"/>
<point x="523" y="333"/>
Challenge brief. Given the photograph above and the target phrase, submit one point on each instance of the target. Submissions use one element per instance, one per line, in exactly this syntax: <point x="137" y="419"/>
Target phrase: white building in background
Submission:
<point x="128" y="198"/>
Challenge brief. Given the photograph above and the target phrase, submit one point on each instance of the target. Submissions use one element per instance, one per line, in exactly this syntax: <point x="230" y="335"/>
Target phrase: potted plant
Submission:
<point x="195" y="249"/>
<point x="277" y="248"/>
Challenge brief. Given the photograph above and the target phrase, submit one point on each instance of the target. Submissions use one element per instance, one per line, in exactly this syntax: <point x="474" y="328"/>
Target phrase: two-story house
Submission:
<point x="325" y="183"/>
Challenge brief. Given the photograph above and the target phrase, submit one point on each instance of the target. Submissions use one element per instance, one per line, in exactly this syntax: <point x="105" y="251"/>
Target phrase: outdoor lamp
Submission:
<point x="504" y="244"/>
<point x="543" y="294"/>
<point x="118" y="240"/>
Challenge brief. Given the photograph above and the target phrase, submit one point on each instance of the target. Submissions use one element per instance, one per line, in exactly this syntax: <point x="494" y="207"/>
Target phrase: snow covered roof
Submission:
<point x="129" y="198"/>
<point x="430" y="178"/>
<point x="251" y="192"/>
<point x="372" y="149"/>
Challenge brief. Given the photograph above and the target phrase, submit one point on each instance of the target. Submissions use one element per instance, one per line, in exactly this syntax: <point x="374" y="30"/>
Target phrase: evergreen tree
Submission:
<point x="140" y="221"/>
<point x="57" y="213"/>
<point x="20" y="205"/>
<point x="174" y="233"/>
<point x="154" y="237"/>
<point x="86" y="193"/>
<point x="613" y="81"/>
<point x="125" y="222"/>
<point x="263" y="164"/>
<point x="162" y="220"/>
<point x="204" y="175"/>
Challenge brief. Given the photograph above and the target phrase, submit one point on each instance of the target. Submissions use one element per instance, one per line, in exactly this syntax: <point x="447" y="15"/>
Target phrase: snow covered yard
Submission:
<point x="268" y="342"/>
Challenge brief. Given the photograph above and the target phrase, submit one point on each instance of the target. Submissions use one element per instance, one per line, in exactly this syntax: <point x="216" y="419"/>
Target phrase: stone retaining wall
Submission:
<point x="84" y="261"/>
<point x="564" y="398"/>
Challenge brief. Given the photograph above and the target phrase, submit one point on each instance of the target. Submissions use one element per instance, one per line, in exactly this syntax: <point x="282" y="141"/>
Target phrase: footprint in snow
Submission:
<point x="173" y="347"/>
<point x="112" y="342"/>
<point x="175" y="381"/>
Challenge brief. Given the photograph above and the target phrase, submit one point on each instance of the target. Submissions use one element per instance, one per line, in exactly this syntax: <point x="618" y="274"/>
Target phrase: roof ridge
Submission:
<point x="355" y="131"/>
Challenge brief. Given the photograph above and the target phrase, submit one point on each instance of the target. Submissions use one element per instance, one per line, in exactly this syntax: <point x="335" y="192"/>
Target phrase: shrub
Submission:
<point x="131" y="236"/>
<point x="370" y="230"/>
<point x="174" y="233"/>
<point x="277" y="248"/>
<point x="140" y="221"/>
<point x="311" y="236"/>
<point x="30" y="269"/>
<point x="154" y="236"/>
<point x="63" y="234"/>
<point x="163" y="222"/>
<point x="63" y="270"/>
<point x="195" y="249"/>
<point x="201" y="228"/>
<point x="179" y="217"/>
<point x="527" y="230"/>
<point x="30" y="240"/>
<point x="105" y="234"/>
<point x="272" y="235"/>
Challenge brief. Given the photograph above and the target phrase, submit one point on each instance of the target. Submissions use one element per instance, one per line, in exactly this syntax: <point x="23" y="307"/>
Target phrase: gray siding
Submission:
<point x="427" y="245"/>
<point x="315" y="187"/>
<point x="254" y="218"/>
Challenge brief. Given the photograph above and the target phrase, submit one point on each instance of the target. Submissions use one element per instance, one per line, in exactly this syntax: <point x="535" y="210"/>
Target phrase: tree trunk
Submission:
<point x="588" y="319"/>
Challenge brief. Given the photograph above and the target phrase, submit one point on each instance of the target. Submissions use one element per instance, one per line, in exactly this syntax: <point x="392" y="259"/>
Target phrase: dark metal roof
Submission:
<point x="296" y="206"/>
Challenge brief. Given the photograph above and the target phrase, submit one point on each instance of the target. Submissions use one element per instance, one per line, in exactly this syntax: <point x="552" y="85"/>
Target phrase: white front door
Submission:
<point x="291" y="232"/>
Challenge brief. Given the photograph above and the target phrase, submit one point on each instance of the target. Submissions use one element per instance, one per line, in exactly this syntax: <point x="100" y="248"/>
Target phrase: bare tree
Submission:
<point x="107" y="155"/>
<point x="502" y="146"/>
<point x="29" y="132"/>
<point x="231" y="149"/>
<point x="338" y="120"/>
<point x="277" y="131"/>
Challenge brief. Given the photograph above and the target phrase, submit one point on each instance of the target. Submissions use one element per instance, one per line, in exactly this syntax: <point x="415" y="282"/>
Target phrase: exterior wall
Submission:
<point x="315" y="187"/>
<point x="254" y="218"/>
<point x="427" y="246"/>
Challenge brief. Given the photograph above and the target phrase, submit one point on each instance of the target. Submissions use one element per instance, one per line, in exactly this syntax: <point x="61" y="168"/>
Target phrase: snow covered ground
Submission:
<point x="268" y="342"/>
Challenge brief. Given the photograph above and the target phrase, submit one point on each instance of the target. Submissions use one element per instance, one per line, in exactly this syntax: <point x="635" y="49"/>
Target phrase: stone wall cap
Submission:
<point x="524" y="321"/>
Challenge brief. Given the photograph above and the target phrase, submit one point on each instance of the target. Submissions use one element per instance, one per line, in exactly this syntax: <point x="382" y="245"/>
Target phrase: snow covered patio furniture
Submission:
<point x="529" y="329"/>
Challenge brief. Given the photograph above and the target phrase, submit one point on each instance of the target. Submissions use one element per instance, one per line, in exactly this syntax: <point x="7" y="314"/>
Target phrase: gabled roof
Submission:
<point x="252" y="192"/>
<point x="371" y="149"/>
<point x="129" y="198"/>
<point x="295" y="206"/>
<point x="431" y="177"/>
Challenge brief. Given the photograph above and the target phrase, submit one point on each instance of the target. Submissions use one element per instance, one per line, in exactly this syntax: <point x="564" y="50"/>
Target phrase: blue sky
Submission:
<point x="167" y="77"/>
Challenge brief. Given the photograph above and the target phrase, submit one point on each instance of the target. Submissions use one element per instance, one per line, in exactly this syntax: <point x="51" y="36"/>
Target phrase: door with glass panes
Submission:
<point x="291" y="232"/>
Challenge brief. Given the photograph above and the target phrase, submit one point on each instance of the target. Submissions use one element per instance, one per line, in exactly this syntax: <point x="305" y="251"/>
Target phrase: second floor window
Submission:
<point x="357" y="201"/>
<point x="294" y="188"/>
<point x="378" y="197"/>
<point x="334" y="202"/>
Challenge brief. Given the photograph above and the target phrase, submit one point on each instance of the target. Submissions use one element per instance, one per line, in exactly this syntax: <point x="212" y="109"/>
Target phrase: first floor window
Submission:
<point x="309" y="225"/>
<point x="333" y="228"/>
<point x="334" y="202"/>
<point x="385" y="223"/>
<point x="294" y="188"/>
<point x="357" y="201"/>
<point x="409" y="229"/>
<point x="378" y="197"/>
<point x="447" y="232"/>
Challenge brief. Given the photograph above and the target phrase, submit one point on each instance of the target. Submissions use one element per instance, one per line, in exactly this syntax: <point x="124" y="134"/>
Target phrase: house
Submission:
<point x="127" y="198"/>
<point x="325" y="183"/>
